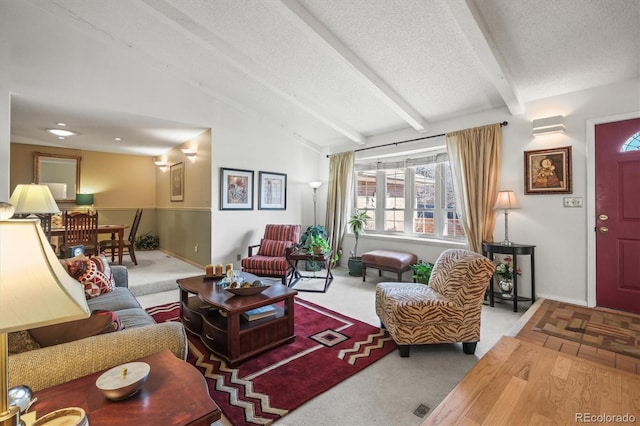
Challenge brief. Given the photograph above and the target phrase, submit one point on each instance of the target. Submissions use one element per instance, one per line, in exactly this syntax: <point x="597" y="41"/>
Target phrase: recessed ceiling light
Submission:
<point x="117" y="139"/>
<point x="61" y="137"/>
<point x="61" y="124"/>
<point x="61" y="132"/>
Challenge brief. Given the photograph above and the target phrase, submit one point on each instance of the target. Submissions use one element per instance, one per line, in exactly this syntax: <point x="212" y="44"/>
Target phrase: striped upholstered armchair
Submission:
<point x="270" y="259"/>
<point x="445" y="311"/>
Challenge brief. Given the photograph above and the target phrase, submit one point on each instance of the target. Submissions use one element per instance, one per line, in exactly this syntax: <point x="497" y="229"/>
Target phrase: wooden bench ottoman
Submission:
<point x="386" y="260"/>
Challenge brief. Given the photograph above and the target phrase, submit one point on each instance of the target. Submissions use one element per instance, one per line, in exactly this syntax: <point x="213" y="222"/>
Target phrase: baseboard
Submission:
<point x="525" y="318"/>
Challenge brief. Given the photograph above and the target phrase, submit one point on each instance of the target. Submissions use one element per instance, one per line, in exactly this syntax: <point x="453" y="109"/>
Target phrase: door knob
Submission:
<point x="603" y="229"/>
<point x="603" y="217"/>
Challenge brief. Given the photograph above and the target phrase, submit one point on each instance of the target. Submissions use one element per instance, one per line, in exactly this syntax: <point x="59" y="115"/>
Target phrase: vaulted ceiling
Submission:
<point x="330" y="71"/>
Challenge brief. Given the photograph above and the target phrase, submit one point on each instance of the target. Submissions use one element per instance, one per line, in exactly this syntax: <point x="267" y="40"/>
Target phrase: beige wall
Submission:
<point x="117" y="180"/>
<point x="122" y="183"/>
<point x="184" y="227"/>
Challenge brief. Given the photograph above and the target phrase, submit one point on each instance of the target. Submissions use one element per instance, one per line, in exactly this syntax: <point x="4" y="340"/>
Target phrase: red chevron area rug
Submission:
<point x="328" y="348"/>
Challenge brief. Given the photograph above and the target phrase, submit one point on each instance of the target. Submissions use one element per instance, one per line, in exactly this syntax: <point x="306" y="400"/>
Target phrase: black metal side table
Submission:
<point x="489" y="249"/>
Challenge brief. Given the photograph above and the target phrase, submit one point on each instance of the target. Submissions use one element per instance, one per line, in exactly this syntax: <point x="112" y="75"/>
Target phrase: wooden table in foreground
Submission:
<point x="175" y="394"/>
<point x="215" y="315"/>
<point x="519" y="383"/>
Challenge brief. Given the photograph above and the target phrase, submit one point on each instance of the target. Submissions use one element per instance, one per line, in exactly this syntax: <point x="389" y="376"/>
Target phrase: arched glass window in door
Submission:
<point x="632" y="144"/>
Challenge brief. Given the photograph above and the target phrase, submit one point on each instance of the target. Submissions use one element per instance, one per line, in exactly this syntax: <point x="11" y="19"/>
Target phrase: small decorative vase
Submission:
<point x="506" y="286"/>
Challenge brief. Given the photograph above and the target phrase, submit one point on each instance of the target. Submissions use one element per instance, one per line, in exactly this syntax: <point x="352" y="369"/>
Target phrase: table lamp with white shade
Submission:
<point x="31" y="199"/>
<point x="35" y="291"/>
<point x="506" y="201"/>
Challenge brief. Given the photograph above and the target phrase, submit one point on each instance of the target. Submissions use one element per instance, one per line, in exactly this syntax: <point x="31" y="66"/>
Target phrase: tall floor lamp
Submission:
<point x="35" y="291"/>
<point x="507" y="201"/>
<point x="315" y="185"/>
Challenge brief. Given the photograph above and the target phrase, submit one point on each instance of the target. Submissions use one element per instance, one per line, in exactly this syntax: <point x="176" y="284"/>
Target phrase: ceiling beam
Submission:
<point x="479" y="38"/>
<point x="315" y="28"/>
<point x="205" y="38"/>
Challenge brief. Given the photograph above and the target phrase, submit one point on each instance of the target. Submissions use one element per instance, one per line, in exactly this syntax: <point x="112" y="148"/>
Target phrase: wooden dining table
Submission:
<point x="103" y="229"/>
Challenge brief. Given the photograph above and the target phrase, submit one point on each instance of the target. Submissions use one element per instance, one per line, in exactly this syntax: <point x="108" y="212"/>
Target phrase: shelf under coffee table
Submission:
<point x="215" y="315"/>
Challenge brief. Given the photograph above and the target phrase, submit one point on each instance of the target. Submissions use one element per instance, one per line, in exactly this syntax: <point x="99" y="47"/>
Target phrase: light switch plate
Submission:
<point x="572" y="201"/>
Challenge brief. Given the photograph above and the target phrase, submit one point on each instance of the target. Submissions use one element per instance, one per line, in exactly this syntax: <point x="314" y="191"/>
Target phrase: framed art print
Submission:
<point x="548" y="171"/>
<point x="236" y="189"/>
<point x="176" y="176"/>
<point x="272" y="191"/>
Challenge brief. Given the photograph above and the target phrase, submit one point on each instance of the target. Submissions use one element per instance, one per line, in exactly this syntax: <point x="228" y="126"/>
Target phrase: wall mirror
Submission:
<point x="61" y="173"/>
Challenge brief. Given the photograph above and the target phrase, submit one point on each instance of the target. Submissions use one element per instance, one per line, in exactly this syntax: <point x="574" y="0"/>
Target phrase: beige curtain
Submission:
<point x="475" y="156"/>
<point x="338" y="197"/>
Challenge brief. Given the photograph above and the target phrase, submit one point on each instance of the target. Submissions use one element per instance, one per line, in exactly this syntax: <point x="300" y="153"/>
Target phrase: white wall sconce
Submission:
<point x="190" y="153"/>
<point x="162" y="164"/>
<point x="545" y="126"/>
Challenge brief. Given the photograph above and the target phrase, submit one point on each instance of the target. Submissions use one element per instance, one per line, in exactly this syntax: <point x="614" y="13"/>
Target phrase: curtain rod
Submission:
<point x="504" y="123"/>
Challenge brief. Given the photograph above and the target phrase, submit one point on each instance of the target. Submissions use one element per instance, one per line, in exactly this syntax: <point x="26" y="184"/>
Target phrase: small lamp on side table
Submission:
<point x="35" y="291"/>
<point x="507" y="201"/>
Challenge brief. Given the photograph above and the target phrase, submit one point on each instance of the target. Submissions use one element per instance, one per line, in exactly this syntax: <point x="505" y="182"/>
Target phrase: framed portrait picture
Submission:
<point x="236" y="189"/>
<point x="176" y="182"/>
<point x="272" y="191"/>
<point x="548" y="171"/>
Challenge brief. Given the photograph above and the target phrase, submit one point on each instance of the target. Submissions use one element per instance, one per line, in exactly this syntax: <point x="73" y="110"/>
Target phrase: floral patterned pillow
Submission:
<point x="93" y="273"/>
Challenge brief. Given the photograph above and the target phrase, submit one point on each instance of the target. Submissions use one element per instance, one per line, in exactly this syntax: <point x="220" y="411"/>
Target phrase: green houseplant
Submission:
<point x="357" y="222"/>
<point x="305" y="240"/>
<point x="422" y="271"/>
<point x="147" y="241"/>
<point x="318" y="245"/>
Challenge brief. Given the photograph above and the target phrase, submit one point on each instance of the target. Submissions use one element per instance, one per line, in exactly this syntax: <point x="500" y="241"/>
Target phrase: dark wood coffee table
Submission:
<point x="174" y="394"/>
<point x="215" y="315"/>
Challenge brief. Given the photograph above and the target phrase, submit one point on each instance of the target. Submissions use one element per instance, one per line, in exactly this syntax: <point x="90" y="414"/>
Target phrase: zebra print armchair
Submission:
<point x="445" y="311"/>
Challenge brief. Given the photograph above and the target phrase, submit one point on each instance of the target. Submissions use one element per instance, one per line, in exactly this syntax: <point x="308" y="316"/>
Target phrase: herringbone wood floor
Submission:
<point x="602" y="356"/>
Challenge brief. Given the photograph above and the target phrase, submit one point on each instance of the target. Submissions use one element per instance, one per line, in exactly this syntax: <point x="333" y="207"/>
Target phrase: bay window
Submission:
<point x="418" y="198"/>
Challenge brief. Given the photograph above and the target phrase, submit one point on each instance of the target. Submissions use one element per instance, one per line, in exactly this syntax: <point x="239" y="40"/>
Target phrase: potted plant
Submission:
<point x="318" y="245"/>
<point x="505" y="273"/>
<point x="147" y="241"/>
<point x="357" y="223"/>
<point x="422" y="271"/>
<point x="305" y="240"/>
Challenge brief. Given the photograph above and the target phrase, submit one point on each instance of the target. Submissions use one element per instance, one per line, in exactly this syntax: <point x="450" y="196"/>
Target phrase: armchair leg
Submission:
<point x="404" y="350"/>
<point x="469" y="348"/>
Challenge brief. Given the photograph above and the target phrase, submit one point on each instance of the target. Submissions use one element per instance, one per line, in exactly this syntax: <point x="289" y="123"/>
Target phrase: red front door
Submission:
<point x="617" y="216"/>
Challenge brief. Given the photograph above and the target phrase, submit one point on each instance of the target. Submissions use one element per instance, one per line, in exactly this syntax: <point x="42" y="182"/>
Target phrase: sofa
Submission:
<point x="43" y="367"/>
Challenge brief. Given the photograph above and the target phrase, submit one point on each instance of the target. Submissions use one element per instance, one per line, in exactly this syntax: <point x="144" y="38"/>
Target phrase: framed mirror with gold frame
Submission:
<point x="61" y="173"/>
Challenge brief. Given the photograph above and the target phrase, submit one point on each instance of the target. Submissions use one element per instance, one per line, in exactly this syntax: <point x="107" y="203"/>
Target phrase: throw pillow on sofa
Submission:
<point x="99" y="322"/>
<point x="92" y="272"/>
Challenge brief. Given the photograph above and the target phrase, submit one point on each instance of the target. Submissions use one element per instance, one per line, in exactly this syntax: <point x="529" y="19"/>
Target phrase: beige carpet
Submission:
<point x="389" y="391"/>
<point x="156" y="272"/>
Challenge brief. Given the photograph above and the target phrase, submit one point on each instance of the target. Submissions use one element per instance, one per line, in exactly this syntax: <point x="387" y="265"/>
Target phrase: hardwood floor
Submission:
<point x="530" y="377"/>
<point x="602" y="356"/>
<point x="520" y="383"/>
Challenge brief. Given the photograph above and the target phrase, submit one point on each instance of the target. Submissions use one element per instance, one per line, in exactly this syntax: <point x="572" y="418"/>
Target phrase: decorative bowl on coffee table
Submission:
<point x="248" y="291"/>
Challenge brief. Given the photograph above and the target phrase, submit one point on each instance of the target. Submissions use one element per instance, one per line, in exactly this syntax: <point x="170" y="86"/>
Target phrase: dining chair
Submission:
<point x="128" y="245"/>
<point x="80" y="229"/>
<point x="45" y="223"/>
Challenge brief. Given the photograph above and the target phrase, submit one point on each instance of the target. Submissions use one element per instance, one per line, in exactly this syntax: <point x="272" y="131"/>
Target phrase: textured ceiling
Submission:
<point x="331" y="71"/>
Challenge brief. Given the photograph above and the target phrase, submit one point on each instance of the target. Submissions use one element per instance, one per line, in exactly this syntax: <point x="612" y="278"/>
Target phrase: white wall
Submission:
<point x="60" y="63"/>
<point x="559" y="234"/>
